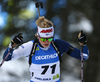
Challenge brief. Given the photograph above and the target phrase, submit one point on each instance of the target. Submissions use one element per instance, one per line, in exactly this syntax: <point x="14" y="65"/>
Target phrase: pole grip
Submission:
<point x="37" y="5"/>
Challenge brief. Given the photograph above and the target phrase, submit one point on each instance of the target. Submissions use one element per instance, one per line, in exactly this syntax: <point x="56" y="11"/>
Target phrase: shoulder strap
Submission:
<point x="57" y="50"/>
<point x="33" y="50"/>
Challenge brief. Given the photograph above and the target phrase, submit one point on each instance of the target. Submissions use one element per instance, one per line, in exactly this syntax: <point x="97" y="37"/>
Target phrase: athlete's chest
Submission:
<point x="45" y="56"/>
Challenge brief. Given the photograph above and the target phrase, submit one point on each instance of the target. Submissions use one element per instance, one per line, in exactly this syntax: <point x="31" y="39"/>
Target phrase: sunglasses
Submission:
<point x="44" y="39"/>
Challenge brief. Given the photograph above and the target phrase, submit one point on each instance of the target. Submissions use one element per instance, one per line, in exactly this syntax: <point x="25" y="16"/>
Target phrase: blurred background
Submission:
<point x="69" y="18"/>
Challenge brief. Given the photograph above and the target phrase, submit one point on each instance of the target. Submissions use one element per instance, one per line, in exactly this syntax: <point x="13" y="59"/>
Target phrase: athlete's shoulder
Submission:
<point x="27" y="44"/>
<point x="59" y="41"/>
<point x="62" y="45"/>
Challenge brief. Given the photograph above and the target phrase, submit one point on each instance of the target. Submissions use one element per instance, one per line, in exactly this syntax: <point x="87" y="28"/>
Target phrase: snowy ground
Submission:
<point x="18" y="71"/>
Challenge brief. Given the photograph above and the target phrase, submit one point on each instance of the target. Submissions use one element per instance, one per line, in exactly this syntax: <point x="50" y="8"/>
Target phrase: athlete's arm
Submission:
<point x="70" y="50"/>
<point x="23" y="50"/>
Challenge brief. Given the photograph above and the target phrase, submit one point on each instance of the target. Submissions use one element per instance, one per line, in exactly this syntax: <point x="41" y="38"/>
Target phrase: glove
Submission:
<point x="16" y="40"/>
<point x="82" y="38"/>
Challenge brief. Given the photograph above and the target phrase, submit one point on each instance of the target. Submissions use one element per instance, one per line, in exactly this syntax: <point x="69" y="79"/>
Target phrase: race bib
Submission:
<point x="45" y="72"/>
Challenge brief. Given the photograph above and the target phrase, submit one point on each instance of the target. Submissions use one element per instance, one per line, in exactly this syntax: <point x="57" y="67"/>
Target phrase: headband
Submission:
<point x="46" y="32"/>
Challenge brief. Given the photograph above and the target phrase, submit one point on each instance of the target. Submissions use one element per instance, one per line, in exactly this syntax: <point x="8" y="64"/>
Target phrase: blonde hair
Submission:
<point x="42" y="22"/>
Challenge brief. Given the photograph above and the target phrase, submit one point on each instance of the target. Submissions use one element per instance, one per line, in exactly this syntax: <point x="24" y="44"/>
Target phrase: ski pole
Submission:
<point x="6" y="57"/>
<point x="82" y="65"/>
<point x="37" y="4"/>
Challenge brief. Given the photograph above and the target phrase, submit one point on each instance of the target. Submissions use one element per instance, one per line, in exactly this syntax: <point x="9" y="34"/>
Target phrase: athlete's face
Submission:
<point x="45" y="42"/>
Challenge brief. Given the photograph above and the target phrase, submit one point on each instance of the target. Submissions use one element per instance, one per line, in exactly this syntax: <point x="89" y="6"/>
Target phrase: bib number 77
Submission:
<point x="46" y="68"/>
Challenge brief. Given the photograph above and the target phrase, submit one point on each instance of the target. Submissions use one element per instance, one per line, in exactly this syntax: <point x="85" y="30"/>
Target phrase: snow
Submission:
<point x="69" y="78"/>
<point x="14" y="71"/>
